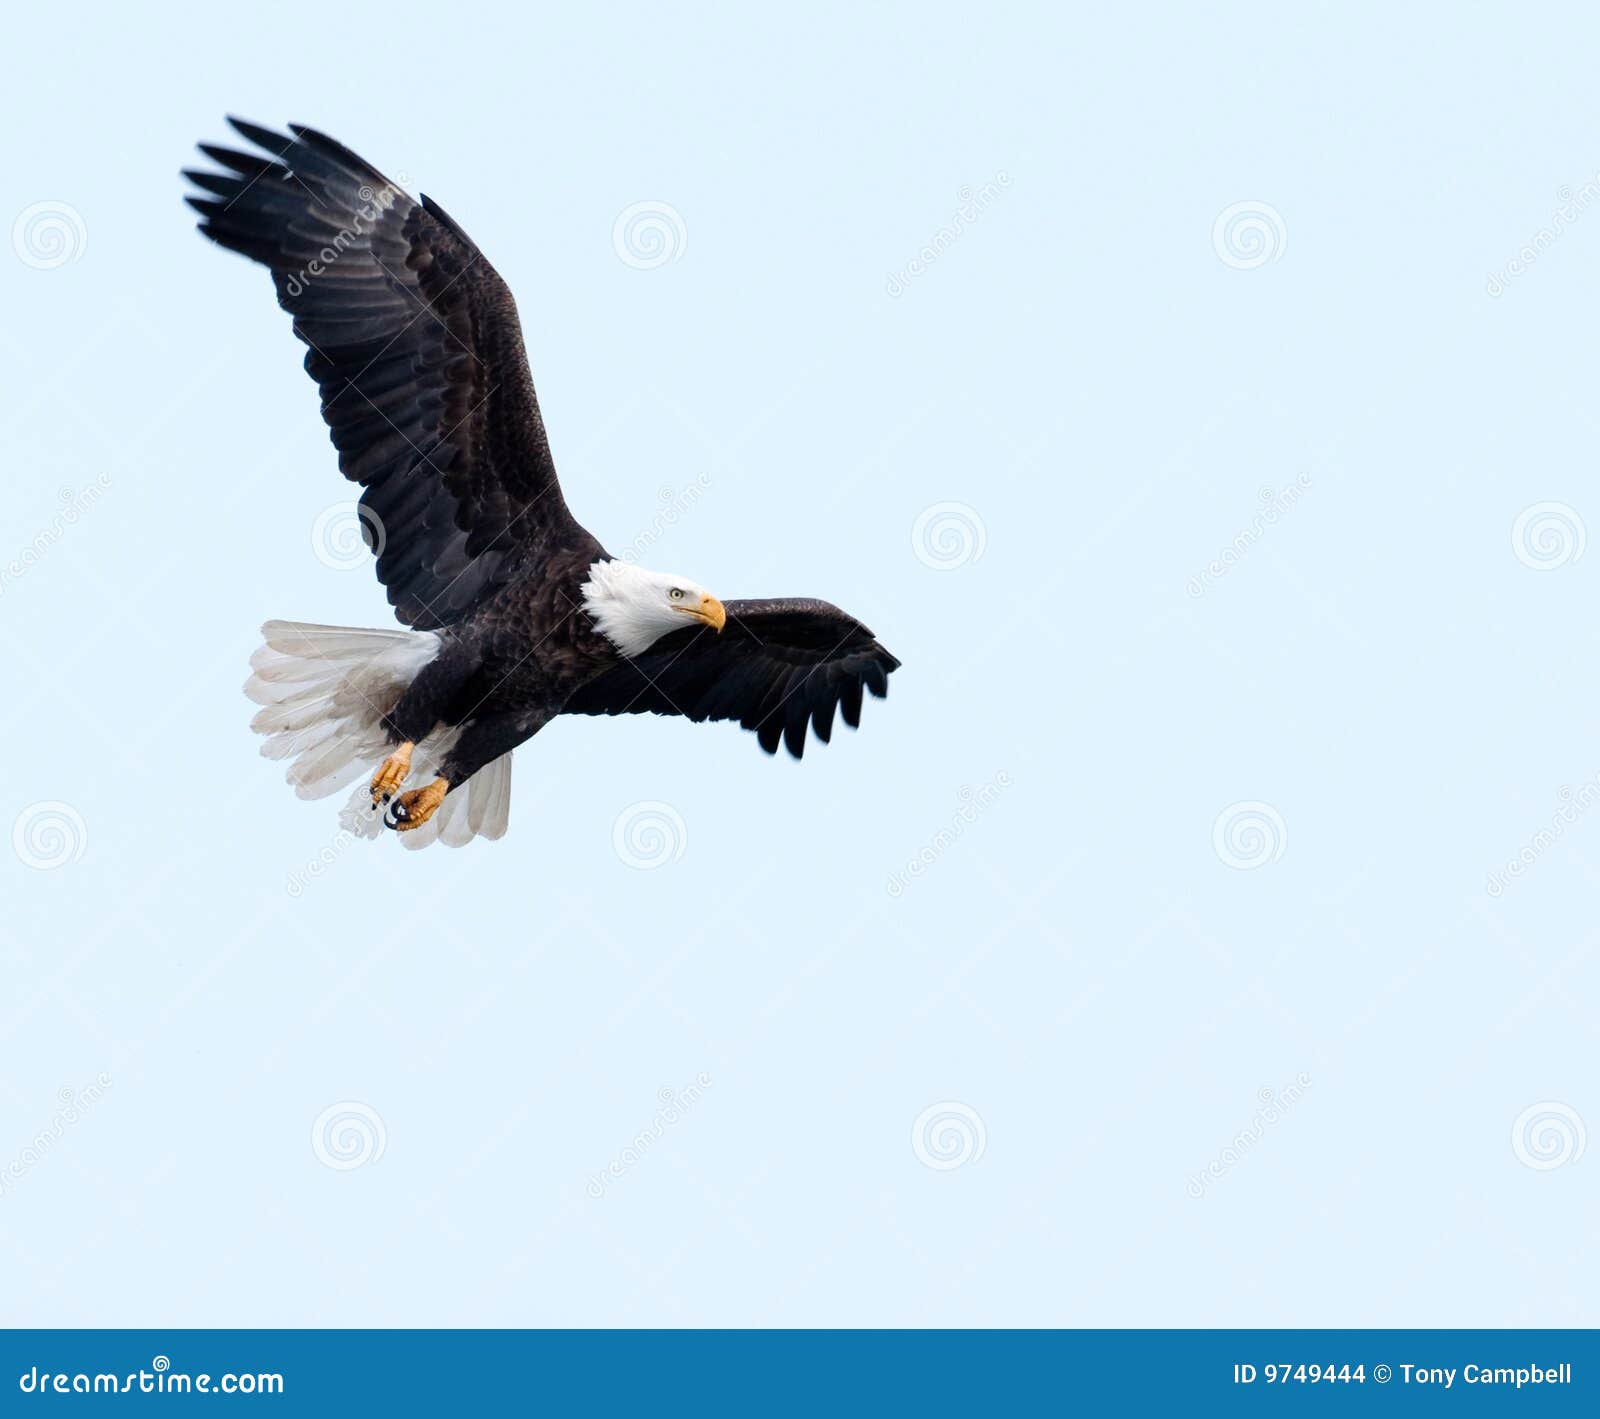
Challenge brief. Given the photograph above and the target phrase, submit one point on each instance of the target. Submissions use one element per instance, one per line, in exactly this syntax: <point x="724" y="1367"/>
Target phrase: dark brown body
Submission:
<point x="509" y="666"/>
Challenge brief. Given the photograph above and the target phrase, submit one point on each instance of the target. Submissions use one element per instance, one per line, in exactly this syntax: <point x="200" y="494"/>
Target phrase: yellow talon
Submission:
<point x="412" y="810"/>
<point x="392" y="773"/>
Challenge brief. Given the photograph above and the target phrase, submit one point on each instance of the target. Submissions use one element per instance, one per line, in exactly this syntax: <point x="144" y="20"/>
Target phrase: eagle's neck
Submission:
<point x="621" y="600"/>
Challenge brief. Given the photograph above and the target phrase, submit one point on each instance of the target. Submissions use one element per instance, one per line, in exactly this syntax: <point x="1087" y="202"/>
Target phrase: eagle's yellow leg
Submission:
<point x="412" y="810"/>
<point x="392" y="773"/>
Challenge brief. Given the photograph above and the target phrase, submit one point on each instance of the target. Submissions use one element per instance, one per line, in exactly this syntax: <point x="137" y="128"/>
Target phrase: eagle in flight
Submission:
<point x="514" y="613"/>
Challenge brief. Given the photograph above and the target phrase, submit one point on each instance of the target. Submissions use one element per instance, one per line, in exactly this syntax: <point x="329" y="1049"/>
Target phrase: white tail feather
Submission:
<point x="323" y="692"/>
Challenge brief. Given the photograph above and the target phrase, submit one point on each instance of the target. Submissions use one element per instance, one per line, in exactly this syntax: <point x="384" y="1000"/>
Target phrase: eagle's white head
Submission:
<point x="634" y="608"/>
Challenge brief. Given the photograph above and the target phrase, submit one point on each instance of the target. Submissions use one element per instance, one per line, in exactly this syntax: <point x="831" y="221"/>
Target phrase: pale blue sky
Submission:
<point x="1098" y="976"/>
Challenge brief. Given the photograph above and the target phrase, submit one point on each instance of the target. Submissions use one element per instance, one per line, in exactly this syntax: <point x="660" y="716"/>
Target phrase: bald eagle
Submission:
<point x="513" y="612"/>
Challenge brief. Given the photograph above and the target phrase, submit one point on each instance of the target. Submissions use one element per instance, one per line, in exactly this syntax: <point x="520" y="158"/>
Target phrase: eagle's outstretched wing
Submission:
<point x="776" y="667"/>
<point x="417" y="349"/>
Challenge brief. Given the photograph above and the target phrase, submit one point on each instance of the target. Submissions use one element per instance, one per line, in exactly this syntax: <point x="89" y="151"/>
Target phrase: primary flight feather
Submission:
<point x="515" y="612"/>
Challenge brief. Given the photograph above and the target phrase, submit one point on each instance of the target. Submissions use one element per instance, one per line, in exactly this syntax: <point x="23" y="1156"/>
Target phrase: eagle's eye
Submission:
<point x="677" y="593"/>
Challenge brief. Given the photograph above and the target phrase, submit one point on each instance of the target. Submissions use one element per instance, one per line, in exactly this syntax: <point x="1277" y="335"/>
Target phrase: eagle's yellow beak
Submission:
<point x="710" y="610"/>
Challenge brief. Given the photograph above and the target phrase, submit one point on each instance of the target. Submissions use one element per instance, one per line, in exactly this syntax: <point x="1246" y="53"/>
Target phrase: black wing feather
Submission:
<point x="417" y="349"/>
<point x="776" y="667"/>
